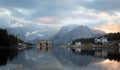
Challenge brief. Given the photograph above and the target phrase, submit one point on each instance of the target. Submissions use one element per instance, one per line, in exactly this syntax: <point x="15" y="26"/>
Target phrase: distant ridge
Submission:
<point x="74" y="33"/>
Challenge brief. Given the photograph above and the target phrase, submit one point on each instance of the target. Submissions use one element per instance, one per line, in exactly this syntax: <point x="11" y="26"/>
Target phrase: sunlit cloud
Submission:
<point x="45" y="19"/>
<point x="110" y="28"/>
<point x="48" y="20"/>
<point x="112" y="22"/>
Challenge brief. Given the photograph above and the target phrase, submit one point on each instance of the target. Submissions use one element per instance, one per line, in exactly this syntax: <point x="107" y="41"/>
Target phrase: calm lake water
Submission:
<point x="55" y="59"/>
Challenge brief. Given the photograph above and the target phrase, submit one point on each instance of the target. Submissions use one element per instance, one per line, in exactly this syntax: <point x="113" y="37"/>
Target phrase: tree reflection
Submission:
<point x="114" y="56"/>
<point x="100" y="53"/>
<point x="7" y="54"/>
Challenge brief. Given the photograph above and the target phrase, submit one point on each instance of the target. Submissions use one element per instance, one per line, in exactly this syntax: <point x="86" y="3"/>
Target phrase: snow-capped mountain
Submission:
<point x="75" y="33"/>
<point x="32" y="32"/>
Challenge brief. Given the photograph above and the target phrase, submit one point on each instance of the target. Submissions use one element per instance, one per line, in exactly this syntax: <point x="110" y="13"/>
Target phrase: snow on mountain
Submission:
<point x="31" y="32"/>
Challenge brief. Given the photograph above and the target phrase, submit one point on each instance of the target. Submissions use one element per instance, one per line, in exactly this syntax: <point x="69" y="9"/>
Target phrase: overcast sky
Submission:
<point x="97" y="14"/>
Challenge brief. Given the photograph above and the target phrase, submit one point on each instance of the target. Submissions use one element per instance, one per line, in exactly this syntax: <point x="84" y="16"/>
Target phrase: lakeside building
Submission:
<point x="78" y="44"/>
<point x="101" y="40"/>
<point x="45" y="44"/>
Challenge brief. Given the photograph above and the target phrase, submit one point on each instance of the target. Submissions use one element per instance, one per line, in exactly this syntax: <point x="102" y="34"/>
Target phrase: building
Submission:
<point x="78" y="44"/>
<point x="22" y="46"/>
<point x="45" y="44"/>
<point x="97" y="40"/>
<point x="101" y="40"/>
<point x="104" y="40"/>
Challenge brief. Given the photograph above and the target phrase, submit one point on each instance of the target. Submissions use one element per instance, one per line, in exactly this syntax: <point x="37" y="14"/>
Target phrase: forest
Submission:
<point x="109" y="36"/>
<point x="7" y="40"/>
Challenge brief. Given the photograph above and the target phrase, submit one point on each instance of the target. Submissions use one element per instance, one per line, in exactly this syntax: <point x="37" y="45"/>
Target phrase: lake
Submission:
<point x="55" y="59"/>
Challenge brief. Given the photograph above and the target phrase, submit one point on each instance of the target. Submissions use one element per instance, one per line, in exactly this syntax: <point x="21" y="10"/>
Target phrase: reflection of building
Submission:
<point x="101" y="40"/>
<point x="45" y="44"/>
<point x="119" y="44"/>
<point x="101" y="53"/>
<point x="119" y="47"/>
<point x="22" y="46"/>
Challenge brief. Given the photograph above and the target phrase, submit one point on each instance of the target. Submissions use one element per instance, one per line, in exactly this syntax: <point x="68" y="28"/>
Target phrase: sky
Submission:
<point x="97" y="14"/>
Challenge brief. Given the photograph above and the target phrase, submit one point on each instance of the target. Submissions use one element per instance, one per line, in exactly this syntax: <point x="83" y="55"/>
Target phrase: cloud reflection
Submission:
<point x="109" y="65"/>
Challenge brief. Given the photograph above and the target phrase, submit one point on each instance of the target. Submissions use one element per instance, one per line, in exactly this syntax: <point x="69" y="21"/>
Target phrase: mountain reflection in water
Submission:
<point x="57" y="59"/>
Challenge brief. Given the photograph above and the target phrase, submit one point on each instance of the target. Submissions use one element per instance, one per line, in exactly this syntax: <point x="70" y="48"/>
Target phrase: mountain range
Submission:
<point x="32" y="33"/>
<point x="68" y="34"/>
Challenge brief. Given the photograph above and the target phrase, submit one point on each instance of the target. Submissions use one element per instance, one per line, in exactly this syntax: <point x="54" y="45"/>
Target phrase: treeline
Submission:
<point x="110" y="37"/>
<point x="113" y="36"/>
<point x="83" y="40"/>
<point x="7" y="40"/>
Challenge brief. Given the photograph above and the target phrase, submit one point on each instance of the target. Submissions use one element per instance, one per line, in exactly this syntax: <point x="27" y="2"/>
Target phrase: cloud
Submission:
<point x="45" y="19"/>
<point x="41" y="7"/>
<point x="93" y="13"/>
<point x="49" y="20"/>
<point x="8" y="20"/>
<point x="110" y="28"/>
<point x="112" y="23"/>
<point x="101" y="5"/>
<point x="58" y="5"/>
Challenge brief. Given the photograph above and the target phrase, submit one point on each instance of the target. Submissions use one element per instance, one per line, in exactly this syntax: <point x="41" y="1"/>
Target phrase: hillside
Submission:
<point x="75" y="33"/>
<point x="7" y="39"/>
<point x="29" y="33"/>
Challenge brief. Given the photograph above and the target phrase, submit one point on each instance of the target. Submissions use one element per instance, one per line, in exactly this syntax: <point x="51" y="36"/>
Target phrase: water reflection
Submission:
<point x="70" y="58"/>
<point x="109" y="64"/>
<point x="102" y="53"/>
<point x="57" y="59"/>
<point x="7" y="55"/>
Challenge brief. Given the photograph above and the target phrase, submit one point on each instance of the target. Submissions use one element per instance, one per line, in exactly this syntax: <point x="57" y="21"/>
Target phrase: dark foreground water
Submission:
<point x="56" y="59"/>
